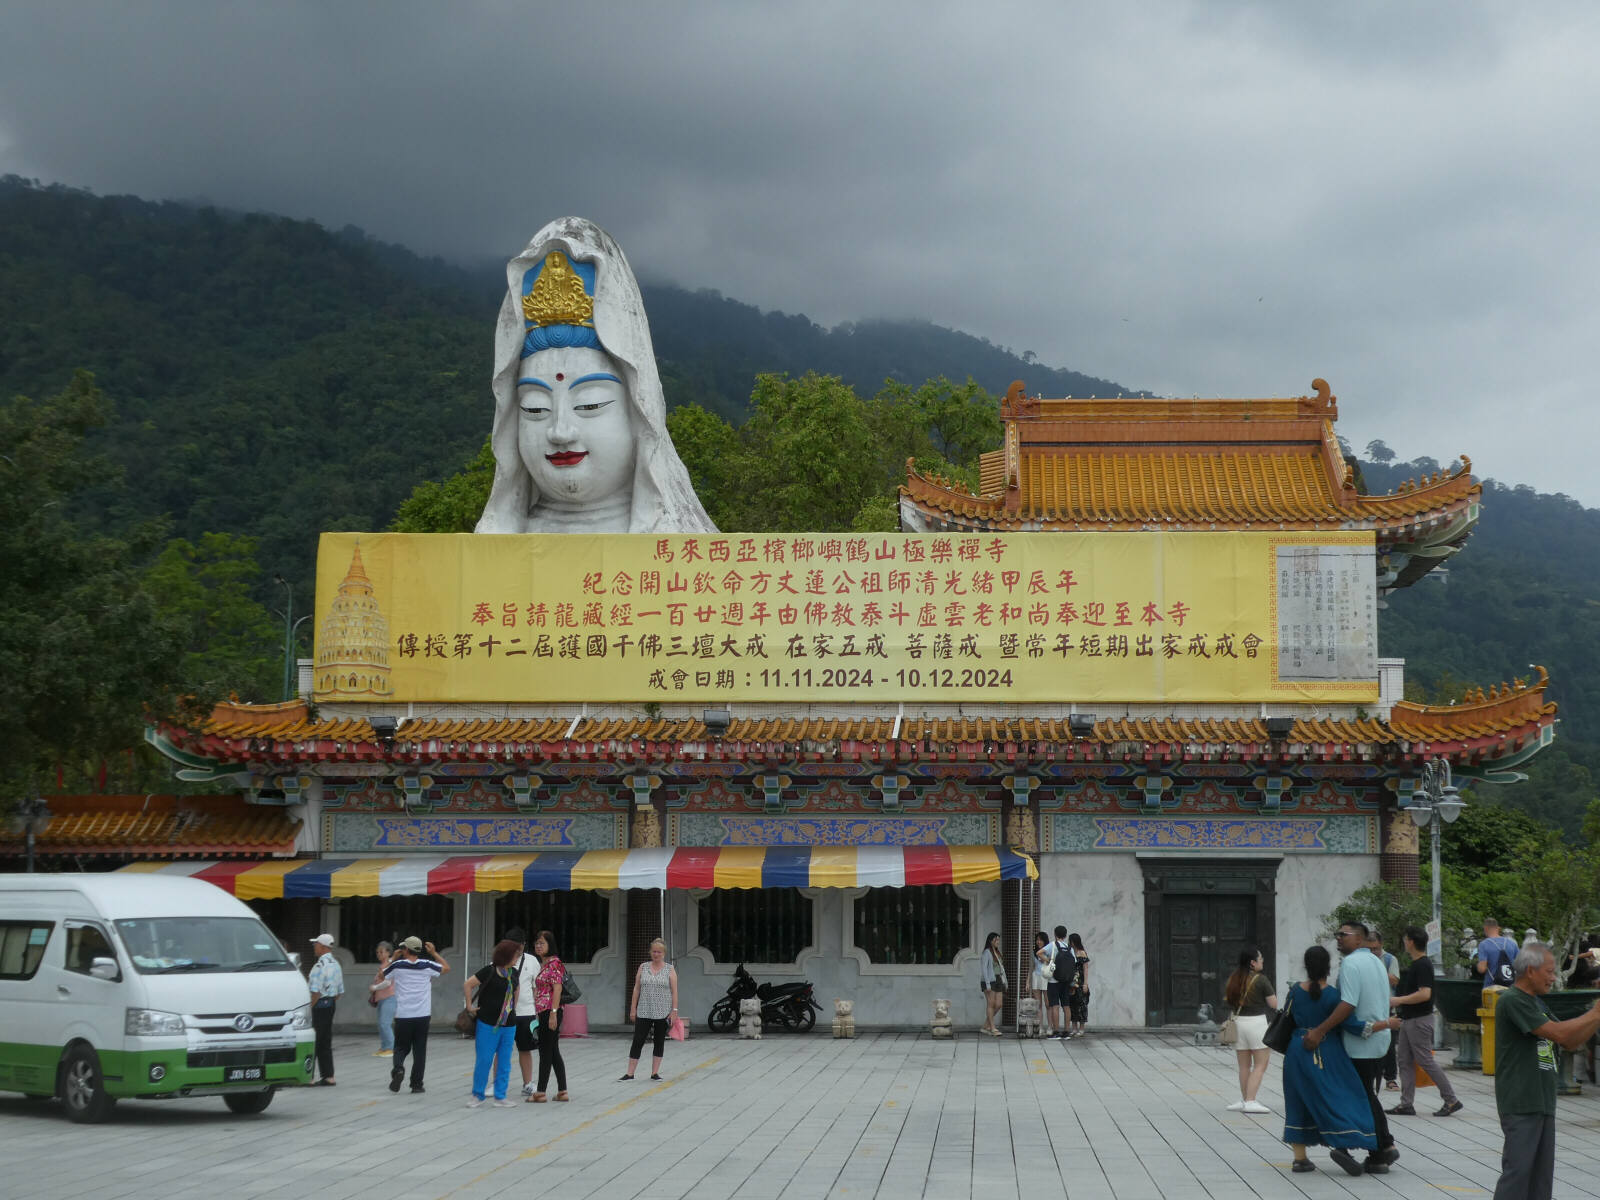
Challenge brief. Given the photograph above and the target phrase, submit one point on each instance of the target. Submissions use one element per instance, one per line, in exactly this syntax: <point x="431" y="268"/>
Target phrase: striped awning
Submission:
<point x="590" y="870"/>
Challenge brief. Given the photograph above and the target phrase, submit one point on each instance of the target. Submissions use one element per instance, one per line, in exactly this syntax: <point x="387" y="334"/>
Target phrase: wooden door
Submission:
<point x="1202" y="937"/>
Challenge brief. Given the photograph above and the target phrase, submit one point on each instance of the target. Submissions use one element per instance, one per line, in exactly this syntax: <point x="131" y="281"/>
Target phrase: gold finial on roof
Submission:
<point x="557" y="296"/>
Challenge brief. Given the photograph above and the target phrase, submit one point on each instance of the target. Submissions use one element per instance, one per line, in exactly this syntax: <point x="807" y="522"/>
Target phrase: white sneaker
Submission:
<point x="475" y="1102"/>
<point x="503" y="1103"/>
<point x="1255" y="1106"/>
<point x="1236" y="1106"/>
<point x="527" y="1091"/>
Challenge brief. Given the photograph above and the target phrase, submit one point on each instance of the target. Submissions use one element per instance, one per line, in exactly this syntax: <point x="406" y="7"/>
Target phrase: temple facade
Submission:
<point x="872" y="847"/>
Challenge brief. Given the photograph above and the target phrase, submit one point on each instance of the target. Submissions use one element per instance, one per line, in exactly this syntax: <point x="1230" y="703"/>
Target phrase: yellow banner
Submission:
<point x="884" y="617"/>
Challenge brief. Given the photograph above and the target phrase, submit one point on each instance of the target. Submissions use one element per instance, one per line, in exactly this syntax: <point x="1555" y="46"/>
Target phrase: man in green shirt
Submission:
<point x="1525" y="1074"/>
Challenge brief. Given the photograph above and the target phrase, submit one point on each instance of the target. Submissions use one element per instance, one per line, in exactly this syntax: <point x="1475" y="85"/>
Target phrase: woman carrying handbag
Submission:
<point x="1249" y="994"/>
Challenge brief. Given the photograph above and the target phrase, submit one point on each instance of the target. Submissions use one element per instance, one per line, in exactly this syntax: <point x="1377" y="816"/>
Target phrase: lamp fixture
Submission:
<point x="716" y="721"/>
<point x="384" y="729"/>
<point x="1279" y="728"/>
<point x="1081" y="725"/>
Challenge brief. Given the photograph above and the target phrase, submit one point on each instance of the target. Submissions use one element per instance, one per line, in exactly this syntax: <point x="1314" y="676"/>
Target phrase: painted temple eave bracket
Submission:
<point x="195" y="768"/>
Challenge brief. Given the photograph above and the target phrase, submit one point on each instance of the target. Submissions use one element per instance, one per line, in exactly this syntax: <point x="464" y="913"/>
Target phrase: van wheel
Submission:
<point x="83" y="1089"/>
<point x="249" y="1103"/>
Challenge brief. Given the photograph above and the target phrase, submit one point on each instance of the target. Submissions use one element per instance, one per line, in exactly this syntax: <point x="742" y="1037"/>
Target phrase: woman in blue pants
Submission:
<point x="491" y="997"/>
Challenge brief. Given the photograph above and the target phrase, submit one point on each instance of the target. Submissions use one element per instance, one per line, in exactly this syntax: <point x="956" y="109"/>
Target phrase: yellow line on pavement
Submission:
<point x="535" y="1151"/>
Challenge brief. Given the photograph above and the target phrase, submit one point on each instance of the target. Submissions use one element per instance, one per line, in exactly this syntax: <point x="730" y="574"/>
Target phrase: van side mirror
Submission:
<point x="294" y="957"/>
<point x="105" y="968"/>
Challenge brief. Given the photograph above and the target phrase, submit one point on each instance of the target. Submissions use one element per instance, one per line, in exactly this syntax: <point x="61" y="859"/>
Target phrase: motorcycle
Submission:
<point x="785" y="1005"/>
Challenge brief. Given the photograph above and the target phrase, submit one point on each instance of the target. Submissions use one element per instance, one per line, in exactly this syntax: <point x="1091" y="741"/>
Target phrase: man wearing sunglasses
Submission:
<point x="1363" y="1014"/>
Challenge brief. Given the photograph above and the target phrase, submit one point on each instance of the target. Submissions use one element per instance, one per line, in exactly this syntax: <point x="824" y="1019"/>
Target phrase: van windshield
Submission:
<point x="172" y="945"/>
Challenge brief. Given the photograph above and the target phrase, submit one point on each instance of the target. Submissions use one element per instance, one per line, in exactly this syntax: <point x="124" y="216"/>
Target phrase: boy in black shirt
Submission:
<point x="1414" y="1004"/>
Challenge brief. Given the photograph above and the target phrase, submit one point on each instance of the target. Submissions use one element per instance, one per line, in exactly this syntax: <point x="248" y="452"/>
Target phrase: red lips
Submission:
<point x="567" y="458"/>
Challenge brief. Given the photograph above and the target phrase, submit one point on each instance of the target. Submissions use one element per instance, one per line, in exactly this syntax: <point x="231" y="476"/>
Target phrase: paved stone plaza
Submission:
<point x="889" y="1114"/>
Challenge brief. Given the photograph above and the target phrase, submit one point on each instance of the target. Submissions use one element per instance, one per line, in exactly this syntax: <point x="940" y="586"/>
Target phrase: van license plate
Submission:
<point x="242" y="1074"/>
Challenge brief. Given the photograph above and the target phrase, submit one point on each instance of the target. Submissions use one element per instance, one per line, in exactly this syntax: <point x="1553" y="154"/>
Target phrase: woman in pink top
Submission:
<point x="547" y="1003"/>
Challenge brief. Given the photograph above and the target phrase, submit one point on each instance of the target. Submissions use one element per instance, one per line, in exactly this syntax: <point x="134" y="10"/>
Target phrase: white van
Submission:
<point x="140" y="986"/>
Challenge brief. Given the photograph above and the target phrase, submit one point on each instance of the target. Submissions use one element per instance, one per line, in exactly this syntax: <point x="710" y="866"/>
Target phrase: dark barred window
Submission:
<point x="755" y="925"/>
<point x="579" y="921"/>
<point x="364" y="921"/>
<point x="913" y="925"/>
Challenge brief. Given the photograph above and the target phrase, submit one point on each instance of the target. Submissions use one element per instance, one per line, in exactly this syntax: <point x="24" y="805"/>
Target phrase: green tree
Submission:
<point x="810" y="455"/>
<point x="453" y="505"/>
<point x="1561" y="885"/>
<point x="1390" y="908"/>
<point x="714" y="456"/>
<point x="89" y="652"/>
<point x="1486" y="837"/>
<point x="232" y="643"/>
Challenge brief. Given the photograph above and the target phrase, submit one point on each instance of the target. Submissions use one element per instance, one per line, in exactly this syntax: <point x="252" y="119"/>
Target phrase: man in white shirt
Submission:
<point x="1061" y="955"/>
<point x="527" y="1037"/>
<point x="412" y="976"/>
<point x="326" y="981"/>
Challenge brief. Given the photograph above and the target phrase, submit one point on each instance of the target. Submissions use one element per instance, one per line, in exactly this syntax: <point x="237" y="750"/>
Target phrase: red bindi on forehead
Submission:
<point x="560" y="376"/>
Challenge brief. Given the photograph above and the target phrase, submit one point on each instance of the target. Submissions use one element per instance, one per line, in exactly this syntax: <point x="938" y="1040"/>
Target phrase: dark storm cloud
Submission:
<point x="1221" y="198"/>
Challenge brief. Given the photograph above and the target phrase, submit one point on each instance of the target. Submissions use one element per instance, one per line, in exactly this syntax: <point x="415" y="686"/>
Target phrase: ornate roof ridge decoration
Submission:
<point x="1511" y="721"/>
<point x="1132" y="464"/>
<point x="237" y="714"/>
<point x="1519" y="701"/>
<point x="166" y="825"/>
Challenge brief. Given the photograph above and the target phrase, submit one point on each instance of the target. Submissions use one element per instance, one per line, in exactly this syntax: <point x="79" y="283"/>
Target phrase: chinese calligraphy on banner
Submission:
<point x="884" y="617"/>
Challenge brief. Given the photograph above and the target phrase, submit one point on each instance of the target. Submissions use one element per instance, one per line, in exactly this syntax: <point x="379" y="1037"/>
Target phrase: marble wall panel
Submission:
<point x="1101" y="897"/>
<point x="1308" y="889"/>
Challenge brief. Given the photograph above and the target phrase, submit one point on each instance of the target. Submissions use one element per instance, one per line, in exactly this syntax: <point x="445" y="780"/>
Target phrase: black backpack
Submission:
<point x="1498" y="970"/>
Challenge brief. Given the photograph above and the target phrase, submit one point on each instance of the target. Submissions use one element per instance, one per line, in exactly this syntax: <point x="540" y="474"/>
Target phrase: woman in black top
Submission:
<point x="491" y="996"/>
<point x="1249" y="994"/>
<point x="1078" y="993"/>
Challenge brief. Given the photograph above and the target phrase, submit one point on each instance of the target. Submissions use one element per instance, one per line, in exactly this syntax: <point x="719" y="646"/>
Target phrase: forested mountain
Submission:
<point x="271" y="379"/>
<point x="1524" y="590"/>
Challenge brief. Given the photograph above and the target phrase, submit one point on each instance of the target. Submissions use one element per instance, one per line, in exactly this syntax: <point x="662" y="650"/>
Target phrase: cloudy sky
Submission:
<point x="1214" y="199"/>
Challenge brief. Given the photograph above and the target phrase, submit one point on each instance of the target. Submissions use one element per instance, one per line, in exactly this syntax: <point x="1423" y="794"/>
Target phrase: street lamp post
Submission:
<point x="294" y="644"/>
<point x="1438" y="806"/>
<point x="34" y="813"/>
<point x="288" y="634"/>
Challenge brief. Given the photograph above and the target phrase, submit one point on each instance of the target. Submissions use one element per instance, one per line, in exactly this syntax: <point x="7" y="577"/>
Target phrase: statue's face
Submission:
<point x="576" y="429"/>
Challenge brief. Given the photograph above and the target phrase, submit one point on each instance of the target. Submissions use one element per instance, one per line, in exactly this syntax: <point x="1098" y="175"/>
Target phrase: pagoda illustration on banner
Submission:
<point x="353" y="641"/>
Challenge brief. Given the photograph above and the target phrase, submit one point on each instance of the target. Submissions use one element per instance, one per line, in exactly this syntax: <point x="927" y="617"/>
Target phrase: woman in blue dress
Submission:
<point x="1323" y="1101"/>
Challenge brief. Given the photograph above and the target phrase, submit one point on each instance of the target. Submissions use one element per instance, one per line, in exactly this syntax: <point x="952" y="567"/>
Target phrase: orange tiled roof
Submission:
<point x="1133" y="464"/>
<point x="1513" y="712"/>
<point x="161" y="825"/>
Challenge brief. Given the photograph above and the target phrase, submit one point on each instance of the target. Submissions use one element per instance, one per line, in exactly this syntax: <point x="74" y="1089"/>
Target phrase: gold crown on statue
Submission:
<point x="558" y="296"/>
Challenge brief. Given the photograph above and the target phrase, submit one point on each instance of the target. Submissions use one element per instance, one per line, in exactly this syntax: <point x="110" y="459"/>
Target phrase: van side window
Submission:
<point x="85" y="943"/>
<point x="22" y="946"/>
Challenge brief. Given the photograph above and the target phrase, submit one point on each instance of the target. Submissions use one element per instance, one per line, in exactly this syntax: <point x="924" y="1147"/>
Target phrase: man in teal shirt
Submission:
<point x="1363" y="1010"/>
<point x="1525" y="1074"/>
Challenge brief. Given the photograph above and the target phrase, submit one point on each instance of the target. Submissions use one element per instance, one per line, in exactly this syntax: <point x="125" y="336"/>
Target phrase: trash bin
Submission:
<point x="1491" y="997"/>
<point x="574" y="1021"/>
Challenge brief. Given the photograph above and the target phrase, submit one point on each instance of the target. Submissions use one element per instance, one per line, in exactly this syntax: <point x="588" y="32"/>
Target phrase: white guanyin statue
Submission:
<point x="580" y="424"/>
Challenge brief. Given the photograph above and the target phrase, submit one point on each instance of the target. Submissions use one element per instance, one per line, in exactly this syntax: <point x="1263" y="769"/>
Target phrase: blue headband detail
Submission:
<point x="556" y="337"/>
